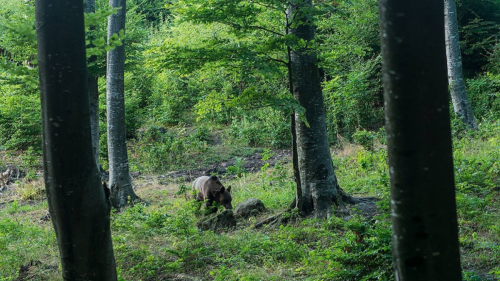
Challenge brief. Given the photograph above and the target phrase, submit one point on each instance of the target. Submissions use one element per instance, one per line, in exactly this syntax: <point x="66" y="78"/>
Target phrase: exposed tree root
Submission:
<point x="345" y="199"/>
<point x="272" y="220"/>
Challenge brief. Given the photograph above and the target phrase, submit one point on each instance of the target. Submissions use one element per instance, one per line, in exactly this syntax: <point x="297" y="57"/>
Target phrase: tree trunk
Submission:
<point x="456" y="81"/>
<point x="93" y="89"/>
<point x="120" y="181"/>
<point x="77" y="201"/>
<point x="424" y="220"/>
<point x="317" y="178"/>
<point x="295" y="159"/>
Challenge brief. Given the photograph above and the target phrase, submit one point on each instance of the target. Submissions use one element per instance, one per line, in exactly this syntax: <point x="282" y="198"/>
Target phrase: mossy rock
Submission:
<point x="249" y="207"/>
<point x="218" y="222"/>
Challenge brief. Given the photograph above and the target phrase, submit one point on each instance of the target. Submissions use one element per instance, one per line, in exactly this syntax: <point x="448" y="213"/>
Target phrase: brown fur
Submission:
<point x="210" y="189"/>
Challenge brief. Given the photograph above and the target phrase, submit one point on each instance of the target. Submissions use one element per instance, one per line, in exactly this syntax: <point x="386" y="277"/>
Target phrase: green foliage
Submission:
<point x="476" y="173"/>
<point x="478" y="28"/>
<point x="472" y="276"/>
<point x="348" y="32"/>
<point x="348" y="38"/>
<point x="171" y="97"/>
<point x="160" y="240"/>
<point x="354" y="100"/>
<point x="236" y="59"/>
<point x="238" y="168"/>
<point x="361" y="252"/>
<point x="160" y="149"/>
<point x="232" y="56"/>
<point x="363" y="170"/>
<point x="153" y="11"/>
<point x="33" y="190"/>
<point x="96" y="41"/>
<point x="21" y="241"/>
<point x="20" y="125"/>
<point x="204" y="81"/>
<point x="269" y="128"/>
<point x="483" y="93"/>
<point x="365" y="139"/>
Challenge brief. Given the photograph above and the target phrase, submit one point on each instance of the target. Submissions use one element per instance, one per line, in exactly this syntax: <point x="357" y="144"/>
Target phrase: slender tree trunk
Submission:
<point x="119" y="175"/>
<point x="77" y="201"/>
<point x="317" y="178"/>
<point x="295" y="159"/>
<point x="456" y="81"/>
<point x="424" y="219"/>
<point x="93" y="89"/>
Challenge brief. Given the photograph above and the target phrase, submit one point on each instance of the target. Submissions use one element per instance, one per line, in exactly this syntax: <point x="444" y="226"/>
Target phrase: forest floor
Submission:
<point x="160" y="240"/>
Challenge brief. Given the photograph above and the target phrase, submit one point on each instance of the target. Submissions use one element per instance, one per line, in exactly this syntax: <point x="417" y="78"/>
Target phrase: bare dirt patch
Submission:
<point x="249" y="164"/>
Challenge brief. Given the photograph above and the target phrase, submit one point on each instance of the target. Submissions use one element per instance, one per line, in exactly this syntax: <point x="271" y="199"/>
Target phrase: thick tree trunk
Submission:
<point x="425" y="230"/>
<point x="317" y="178"/>
<point x="77" y="202"/>
<point x="456" y="81"/>
<point x="93" y="89"/>
<point x="120" y="181"/>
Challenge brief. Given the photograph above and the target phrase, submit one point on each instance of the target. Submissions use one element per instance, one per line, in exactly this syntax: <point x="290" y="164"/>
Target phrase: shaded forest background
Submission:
<point x="189" y="75"/>
<point x="206" y="90"/>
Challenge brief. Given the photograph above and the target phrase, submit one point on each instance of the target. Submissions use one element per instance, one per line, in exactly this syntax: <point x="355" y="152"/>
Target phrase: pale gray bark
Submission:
<point x="78" y="206"/>
<point x="317" y="178"/>
<point x="120" y="180"/>
<point x="456" y="81"/>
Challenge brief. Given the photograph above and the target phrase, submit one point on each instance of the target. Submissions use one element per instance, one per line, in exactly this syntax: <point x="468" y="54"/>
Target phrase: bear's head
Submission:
<point x="221" y="194"/>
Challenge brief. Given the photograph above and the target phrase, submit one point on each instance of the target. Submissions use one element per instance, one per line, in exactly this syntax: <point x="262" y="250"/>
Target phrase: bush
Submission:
<point x="484" y="93"/>
<point x="159" y="149"/>
<point x="354" y="100"/>
<point x="264" y="128"/>
<point x="20" y="119"/>
<point x="364" y="138"/>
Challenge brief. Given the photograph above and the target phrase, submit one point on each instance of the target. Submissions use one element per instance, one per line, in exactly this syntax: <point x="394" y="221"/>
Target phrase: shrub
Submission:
<point x="364" y="138"/>
<point x="484" y="93"/>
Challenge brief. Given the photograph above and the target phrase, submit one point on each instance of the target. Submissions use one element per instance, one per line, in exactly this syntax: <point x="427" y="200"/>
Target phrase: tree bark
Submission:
<point x="424" y="219"/>
<point x="120" y="181"/>
<point x="456" y="82"/>
<point x="317" y="178"/>
<point x="93" y="89"/>
<point x="295" y="159"/>
<point x="78" y="205"/>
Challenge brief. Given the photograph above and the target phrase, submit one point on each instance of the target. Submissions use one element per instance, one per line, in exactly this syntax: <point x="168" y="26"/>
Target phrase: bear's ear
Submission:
<point x="229" y="189"/>
<point x="222" y="189"/>
<point x="213" y="177"/>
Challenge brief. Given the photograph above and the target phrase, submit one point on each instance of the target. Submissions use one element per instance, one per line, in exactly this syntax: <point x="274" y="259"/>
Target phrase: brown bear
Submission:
<point x="210" y="189"/>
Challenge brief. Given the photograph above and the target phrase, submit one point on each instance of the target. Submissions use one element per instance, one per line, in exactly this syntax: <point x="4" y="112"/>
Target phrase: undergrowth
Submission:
<point x="160" y="241"/>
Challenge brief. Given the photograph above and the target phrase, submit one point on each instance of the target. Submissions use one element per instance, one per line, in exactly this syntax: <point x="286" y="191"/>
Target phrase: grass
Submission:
<point x="160" y="241"/>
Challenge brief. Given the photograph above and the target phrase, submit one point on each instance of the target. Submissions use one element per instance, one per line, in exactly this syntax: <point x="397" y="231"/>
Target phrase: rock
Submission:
<point x="218" y="222"/>
<point x="46" y="217"/>
<point x="249" y="207"/>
